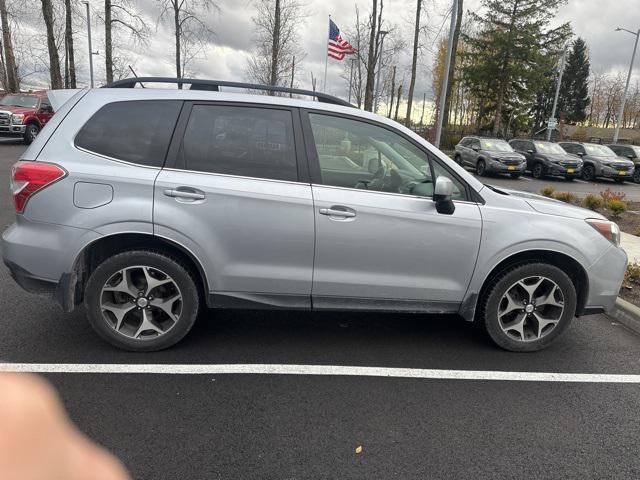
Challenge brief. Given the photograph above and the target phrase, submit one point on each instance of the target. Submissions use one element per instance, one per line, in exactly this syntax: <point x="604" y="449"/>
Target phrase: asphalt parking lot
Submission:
<point x="271" y="426"/>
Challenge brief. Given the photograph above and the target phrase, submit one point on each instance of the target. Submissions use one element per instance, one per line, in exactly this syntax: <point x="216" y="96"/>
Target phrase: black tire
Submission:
<point x="636" y="175"/>
<point x="30" y="133"/>
<point x="458" y="159"/>
<point x="588" y="173"/>
<point x="569" y="179"/>
<point x="180" y="275"/>
<point x="481" y="168"/>
<point x="538" y="171"/>
<point x="619" y="180"/>
<point x="490" y="302"/>
<point x="515" y="176"/>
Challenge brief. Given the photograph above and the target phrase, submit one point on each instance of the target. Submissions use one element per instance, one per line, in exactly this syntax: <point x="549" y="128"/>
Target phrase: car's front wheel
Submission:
<point x="481" y="168"/>
<point x="636" y="175"/>
<point x="141" y="300"/>
<point x="527" y="306"/>
<point x="588" y="173"/>
<point x="538" y="171"/>
<point x="30" y="133"/>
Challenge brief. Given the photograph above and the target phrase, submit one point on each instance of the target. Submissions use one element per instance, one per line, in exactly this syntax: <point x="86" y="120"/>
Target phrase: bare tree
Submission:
<point x="12" y="83"/>
<point x="452" y="68"/>
<point x="121" y="13"/>
<point x="393" y="88"/>
<point x="54" y="58"/>
<point x="69" y="60"/>
<point x="395" y="117"/>
<point x="375" y="21"/>
<point x="189" y="30"/>
<point x="277" y="55"/>
<point x="414" y="63"/>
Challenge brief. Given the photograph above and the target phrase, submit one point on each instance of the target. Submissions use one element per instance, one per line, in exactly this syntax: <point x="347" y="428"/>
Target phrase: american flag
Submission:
<point x="338" y="47"/>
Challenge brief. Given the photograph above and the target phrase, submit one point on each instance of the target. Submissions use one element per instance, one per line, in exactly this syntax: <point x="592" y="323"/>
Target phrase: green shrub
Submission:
<point x="547" y="191"/>
<point x="617" y="207"/>
<point x="632" y="274"/>
<point x="567" y="197"/>
<point x="592" y="202"/>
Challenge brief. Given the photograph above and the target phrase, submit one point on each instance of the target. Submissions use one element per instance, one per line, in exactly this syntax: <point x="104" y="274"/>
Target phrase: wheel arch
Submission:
<point x="566" y="263"/>
<point x="95" y="252"/>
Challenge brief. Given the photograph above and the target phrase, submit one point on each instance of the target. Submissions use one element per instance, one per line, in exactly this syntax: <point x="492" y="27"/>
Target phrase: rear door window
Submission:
<point x="137" y="131"/>
<point x="244" y="141"/>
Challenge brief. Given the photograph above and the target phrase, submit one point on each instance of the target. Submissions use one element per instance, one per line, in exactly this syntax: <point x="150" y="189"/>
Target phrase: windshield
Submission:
<point x="548" y="147"/>
<point x="598" y="150"/>
<point x="26" y="101"/>
<point x="495" y="145"/>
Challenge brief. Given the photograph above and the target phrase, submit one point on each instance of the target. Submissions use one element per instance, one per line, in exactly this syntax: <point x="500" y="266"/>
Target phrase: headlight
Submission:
<point x="17" y="118"/>
<point x="607" y="229"/>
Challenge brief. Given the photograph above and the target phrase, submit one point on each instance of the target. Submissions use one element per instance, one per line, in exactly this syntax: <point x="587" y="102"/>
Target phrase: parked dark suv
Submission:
<point x="600" y="161"/>
<point x="489" y="155"/>
<point x="632" y="152"/>
<point x="547" y="158"/>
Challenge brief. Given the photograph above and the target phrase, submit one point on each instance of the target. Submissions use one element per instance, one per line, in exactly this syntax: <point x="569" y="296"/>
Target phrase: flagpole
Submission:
<point x="326" y="57"/>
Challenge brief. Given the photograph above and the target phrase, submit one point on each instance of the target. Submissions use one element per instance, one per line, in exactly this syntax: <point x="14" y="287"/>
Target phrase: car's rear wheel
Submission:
<point x="526" y="307"/>
<point x="481" y="168"/>
<point x="538" y="171"/>
<point x="30" y="133"/>
<point x="141" y="300"/>
<point x="515" y="175"/>
<point x="588" y="173"/>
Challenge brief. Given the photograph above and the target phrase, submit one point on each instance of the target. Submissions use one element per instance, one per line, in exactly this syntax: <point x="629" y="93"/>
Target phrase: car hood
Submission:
<point x="615" y="159"/>
<point x="12" y="109"/>
<point x="494" y="154"/>
<point x="550" y="206"/>
<point x="562" y="157"/>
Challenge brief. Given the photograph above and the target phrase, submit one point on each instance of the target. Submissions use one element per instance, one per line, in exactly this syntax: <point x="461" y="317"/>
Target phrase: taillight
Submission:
<point x="28" y="178"/>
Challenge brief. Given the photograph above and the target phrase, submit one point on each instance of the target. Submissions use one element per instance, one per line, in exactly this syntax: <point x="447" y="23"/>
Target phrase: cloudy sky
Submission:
<point x="227" y="53"/>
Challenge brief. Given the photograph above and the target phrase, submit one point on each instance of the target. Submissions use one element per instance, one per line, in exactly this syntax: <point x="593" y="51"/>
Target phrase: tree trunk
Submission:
<point x="414" y="62"/>
<point x="54" y="59"/>
<point x="108" y="42"/>
<point x="176" y="21"/>
<point x="395" y="117"/>
<point x="70" y="63"/>
<point x="3" y="69"/>
<point x="13" y="80"/>
<point x="502" y="83"/>
<point x="452" y="68"/>
<point x="393" y="91"/>
<point x="293" y="74"/>
<point x="371" y="60"/>
<point x="275" y="54"/>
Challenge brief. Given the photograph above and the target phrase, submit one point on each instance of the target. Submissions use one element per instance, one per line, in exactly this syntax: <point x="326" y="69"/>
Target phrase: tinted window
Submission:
<point x="517" y="144"/>
<point x="245" y="141"/>
<point x="355" y="154"/>
<point x="465" y="142"/>
<point x="137" y="131"/>
<point x="568" y="147"/>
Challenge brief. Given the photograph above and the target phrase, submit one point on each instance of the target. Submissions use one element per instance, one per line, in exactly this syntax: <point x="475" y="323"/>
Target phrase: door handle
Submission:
<point x="178" y="193"/>
<point x="335" y="212"/>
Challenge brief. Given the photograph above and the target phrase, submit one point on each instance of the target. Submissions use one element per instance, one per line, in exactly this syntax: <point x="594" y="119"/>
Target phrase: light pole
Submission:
<point x="445" y="77"/>
<point x="383" y="33"/>
<point x="551" y="122"/>
<point x="89" y="38"/>
<point x="626" y="87"/>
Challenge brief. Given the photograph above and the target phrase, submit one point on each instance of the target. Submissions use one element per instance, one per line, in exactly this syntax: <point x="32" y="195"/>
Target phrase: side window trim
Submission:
<point x="314" y="163"/>
<point x="173" y="160"/>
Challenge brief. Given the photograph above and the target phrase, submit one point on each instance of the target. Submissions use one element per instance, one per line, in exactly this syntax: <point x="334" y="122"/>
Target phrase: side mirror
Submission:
<point x="530" y="152"/>
<point x="46" y="109"/>
<point x="580" y="154"/>
<point x="475" y="149"/>
<point x="630" y="157"/>
<point x="442" y="194"/>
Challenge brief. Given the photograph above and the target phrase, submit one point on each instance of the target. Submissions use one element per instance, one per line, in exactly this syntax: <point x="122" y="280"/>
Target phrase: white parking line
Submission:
<point x="331" y="370"/>
<point x="579" y="181"/>
<point x="527" y="179"/>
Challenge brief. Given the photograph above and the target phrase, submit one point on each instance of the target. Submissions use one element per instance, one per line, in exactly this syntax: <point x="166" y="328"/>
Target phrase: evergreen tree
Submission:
<point x="574" y="91"/>
<point x="510" y="61"/>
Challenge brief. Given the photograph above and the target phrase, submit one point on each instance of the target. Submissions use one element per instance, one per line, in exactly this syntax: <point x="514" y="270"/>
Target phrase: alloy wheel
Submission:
<point x="531" y="308"/>
<point x="537" y="170"/>
<point x="588" y="172"/>
<point x="141" y="302"/>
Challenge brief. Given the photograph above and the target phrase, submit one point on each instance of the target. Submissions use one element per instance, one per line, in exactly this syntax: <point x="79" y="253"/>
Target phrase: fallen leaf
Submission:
<point x="359" y="449"/>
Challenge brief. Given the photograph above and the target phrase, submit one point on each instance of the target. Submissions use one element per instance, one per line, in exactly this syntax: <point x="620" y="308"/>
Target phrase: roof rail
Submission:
<point x="214" y="85"/>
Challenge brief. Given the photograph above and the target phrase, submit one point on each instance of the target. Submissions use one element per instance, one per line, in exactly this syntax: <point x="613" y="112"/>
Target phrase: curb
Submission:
<point x="627" y="314"/>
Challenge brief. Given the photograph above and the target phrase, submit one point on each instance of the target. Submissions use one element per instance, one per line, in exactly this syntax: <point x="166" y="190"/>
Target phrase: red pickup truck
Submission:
<point x="24" y="114"/>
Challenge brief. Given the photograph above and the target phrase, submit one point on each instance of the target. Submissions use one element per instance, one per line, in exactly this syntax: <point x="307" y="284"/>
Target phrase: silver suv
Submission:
<point x="146" y="205"/>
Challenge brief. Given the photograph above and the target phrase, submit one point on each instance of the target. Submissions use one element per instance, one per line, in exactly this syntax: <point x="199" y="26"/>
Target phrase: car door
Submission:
<point x="380" y="243"/>
<point x="45" y="111"/>
<point x="528" y="149"/>
<point x="233" y="194"/>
